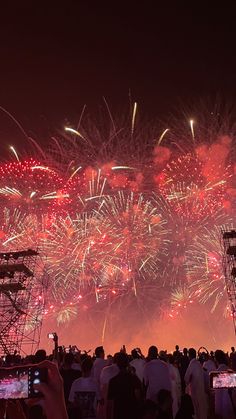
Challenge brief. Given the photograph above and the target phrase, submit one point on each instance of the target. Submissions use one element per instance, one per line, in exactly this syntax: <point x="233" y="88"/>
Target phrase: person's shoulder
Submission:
<point x="92" y="382"/>
<point x="161" y="363"/>
<point x="108" y="368"/>
<point x="153" y="363"/>
<point x="77" y="382"/>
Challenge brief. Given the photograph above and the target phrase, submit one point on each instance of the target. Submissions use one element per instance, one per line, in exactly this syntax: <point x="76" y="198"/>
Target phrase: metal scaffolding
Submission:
<point x="229" y="267"/>
<point x="22" y="298"/>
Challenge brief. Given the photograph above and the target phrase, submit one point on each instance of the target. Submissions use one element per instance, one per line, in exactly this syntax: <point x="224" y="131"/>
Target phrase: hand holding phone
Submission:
<point x="53" y="392"/>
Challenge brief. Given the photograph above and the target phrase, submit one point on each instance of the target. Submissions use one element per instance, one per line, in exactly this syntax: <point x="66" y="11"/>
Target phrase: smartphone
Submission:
<point x="222" y="379"/>
<point x="50" y="335"/>
<point x="17" y="382"/>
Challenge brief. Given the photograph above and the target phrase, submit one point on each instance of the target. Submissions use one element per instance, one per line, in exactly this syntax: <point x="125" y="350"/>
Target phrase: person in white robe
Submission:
<point x="175" y="384"/>
<point x="194" y="379"/>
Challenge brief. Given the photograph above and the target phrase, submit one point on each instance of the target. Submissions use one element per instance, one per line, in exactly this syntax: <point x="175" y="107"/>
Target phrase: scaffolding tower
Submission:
<point x="229" y="268"/>
<point x="22" y="298"/>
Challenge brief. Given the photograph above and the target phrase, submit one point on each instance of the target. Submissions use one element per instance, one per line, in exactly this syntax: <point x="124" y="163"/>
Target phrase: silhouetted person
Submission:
<point x="40" y="356"/>
<point x="175" y="383"/>
<point x="208" y="366"/>
<point x="194" y="380"/>
<point x="85" y="393"/>
<point x="138" y="363"/>
<point x="149" y="410"/>
<point x="184" y="362"/>
<point x="98" y="364"/>
<point x="232" y="358"/>
<point x="124" y="393"/>
<point x="68" y="374"/>
<point x="186" y="410"/>
<point x="156" y="375"/>
<point x="177" y="355"/>
<point x="164" y="405"/>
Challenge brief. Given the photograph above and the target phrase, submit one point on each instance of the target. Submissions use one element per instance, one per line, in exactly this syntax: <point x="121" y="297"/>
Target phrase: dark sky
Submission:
<point x="58" y="56"/>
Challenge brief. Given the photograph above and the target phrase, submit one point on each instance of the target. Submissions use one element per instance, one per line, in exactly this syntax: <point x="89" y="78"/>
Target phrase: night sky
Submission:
<point x="55" y="58"/>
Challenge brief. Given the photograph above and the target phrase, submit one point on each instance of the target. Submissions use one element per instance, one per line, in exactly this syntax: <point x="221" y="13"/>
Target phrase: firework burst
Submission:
<point x="205" y="271"/>
<point x="191" y="188"/>
<point x="29" y="186"/>
<point x="123" y="232"/>
<point x="138" y="236"/>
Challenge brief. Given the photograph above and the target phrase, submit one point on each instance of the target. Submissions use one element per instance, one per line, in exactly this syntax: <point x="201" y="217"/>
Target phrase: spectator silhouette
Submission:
<point x="124" y="393"/>
<point x="194" y="380"/>
<point x="177" y="355"/>
<point x="184" y="362"/>
<point x="137" y="363"/>
<point x="68" y="374"/>
<point x="164" y="405"/>
<point x="40" y="356"/>
<point x="175" y="384"/>
<point x="156" y="375"/>
<point x="232" y="358"/>
<point x="186" y="410"/>
<point x="98" y="364"/>
<point x="84" y="393"/>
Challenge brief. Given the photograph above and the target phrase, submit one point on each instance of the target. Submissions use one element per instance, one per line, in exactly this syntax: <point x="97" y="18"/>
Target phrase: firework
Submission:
<point x="138" y="236"/>
<point x="192" y="189"/>
<point x="65" y="313"/>
<point x="29" y="186"/>
<point x="77" y="254"/>
<point x="120" y="231"/>
<point x="205" y="272"/>
<point x="19" y="230"/>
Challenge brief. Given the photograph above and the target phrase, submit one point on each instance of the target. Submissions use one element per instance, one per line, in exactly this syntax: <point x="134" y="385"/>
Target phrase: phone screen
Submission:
<point x="14" y="383"/>
<point x="50" y="335"/>
<point x="18" y="382"/>
<point x="224" y="379"/>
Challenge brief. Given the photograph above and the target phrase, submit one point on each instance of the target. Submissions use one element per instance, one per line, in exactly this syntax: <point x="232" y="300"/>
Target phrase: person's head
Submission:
<point x="186" y="406"/>
<point x="192" y="353"/>
<point x="68" y="360"/>
<point x="109" y="360"/>
<point x="185" y="351"/>
<point x="87" y="366"/>
<point x="135" y="354"/>
<point x="202" y="357"/>
<point x="149" y="409"/>
<point x="152" y="352"/>
<point x="99" y="352"/>
<point x="232" y="348"/>
<point x="9" y="359"/>
<point x="40" y="355"/>
<point x="116" y="357"/>
<point x="171" y="359"/>
<point x="164" y="400"/>
<point x="220" y="357"/>
<point x="122" y="361"/>
<point x="177" y="347"/>
<point x="163" y="356"/>
<point x="206" y="356"/>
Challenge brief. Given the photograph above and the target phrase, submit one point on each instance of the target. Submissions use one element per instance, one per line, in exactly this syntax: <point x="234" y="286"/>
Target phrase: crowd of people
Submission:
<point x="128" y="386"/>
